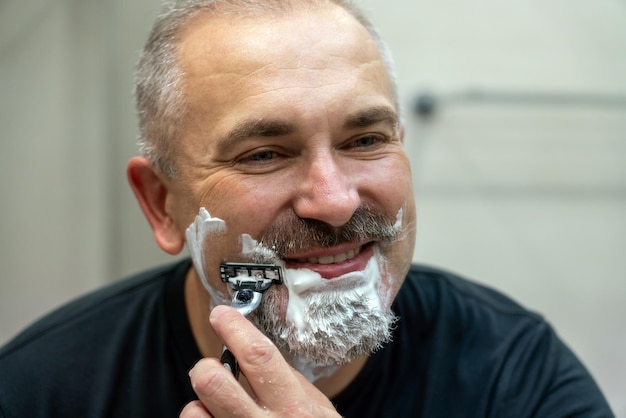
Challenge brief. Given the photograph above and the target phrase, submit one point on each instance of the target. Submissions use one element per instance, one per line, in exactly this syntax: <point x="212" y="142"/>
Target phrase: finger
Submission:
<point x="271" y="378"/>
<point x="194" y="409"/>
<point x="313" y="392"/>
<point x="218" y="391"/>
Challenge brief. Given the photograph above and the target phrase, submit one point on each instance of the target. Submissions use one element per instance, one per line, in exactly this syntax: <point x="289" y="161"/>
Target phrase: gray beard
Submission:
<point x="341" y="326"/>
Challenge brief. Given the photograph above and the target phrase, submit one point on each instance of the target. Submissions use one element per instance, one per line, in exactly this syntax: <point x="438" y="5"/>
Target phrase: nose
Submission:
<point x="326" y="192"/>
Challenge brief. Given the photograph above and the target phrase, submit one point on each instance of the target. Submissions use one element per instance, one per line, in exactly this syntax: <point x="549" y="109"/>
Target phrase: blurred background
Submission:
<point x="515" y="116"/>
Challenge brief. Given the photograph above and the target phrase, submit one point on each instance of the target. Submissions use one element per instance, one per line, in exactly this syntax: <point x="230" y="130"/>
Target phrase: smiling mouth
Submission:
<point x="331" y="259"/>
<point x="350" y="255"/>
<point x="330" y="266"/>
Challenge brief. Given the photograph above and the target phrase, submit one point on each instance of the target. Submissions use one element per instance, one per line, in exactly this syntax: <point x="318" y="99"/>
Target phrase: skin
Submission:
<point x="307" y="74"/>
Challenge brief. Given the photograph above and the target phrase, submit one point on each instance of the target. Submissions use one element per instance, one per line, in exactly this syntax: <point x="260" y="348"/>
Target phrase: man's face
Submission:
<point x="293" y="129"/>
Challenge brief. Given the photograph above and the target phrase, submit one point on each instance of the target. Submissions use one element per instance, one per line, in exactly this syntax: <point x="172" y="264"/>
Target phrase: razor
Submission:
<point x="249" y="281"/>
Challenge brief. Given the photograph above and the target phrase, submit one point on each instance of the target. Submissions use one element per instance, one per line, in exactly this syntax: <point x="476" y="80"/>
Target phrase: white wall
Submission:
<point x="69" y="222"/>
<point x="527" y="197"/>
<point x="53" y="157"/>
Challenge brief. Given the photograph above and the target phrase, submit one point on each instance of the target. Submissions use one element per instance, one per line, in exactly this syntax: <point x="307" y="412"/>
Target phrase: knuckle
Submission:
<point x="259" y="352"/>
<point x="210" y="382"/>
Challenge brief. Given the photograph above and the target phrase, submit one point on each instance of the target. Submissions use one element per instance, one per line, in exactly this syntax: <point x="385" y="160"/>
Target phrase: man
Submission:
<point x="271" y="134"/>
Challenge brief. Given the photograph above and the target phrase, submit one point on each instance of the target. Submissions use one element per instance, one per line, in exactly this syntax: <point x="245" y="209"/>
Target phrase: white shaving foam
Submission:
<point x="398" y="225"/>
<point x="299" y="282"/>
<point x="196" y="235"/>
<point x="258" y="252"/>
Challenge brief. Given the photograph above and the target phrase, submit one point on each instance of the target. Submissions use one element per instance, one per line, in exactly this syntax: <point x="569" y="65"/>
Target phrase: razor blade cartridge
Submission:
<point x="257" y="277"/>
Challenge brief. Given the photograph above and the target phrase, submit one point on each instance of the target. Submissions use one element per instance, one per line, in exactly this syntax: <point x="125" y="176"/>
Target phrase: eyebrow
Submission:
<point x="371" y="116"/>
<point x="264" y="127"/>
<point x="251" y="128"/>
<point x="261" y="127"/>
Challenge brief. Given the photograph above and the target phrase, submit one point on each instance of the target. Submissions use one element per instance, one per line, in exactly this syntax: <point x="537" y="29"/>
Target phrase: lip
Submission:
<point x="329" y="271"/>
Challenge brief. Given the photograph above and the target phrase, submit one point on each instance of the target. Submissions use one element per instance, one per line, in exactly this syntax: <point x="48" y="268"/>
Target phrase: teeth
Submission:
<point x="333" y="259"/>
<point x="324" y="260"/>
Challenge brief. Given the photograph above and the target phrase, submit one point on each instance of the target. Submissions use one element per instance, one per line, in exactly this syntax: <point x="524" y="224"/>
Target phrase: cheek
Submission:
<point x="389" y="185"/>
<point x="393" y="190"/>
<point x="243" y="203"/>
<point x="251" y="211"/>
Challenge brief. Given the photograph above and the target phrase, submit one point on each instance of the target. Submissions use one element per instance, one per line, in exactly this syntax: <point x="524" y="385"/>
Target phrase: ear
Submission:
<point x="402" y="132"/>
<point x="152" y="193"/>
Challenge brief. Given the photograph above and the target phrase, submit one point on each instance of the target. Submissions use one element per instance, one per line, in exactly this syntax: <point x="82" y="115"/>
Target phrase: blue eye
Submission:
<point x="262" y="156"/>
<point x="367" y="141"/>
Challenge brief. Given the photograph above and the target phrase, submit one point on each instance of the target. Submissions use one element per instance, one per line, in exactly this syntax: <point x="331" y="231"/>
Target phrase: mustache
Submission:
<point x="293" y="234"/>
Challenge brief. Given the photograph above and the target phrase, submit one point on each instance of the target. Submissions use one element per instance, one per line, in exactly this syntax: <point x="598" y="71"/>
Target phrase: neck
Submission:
<point x="334" y="384"/>
<point x="198" y="303"/>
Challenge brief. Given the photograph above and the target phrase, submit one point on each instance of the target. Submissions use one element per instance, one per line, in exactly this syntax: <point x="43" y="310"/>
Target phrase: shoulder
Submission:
<point x="467" y="319"/>
<point x="440" y="293"/>
<point x="483" y="338"/>
<point x="109" y="336"/>
<point x="97" y="306"/>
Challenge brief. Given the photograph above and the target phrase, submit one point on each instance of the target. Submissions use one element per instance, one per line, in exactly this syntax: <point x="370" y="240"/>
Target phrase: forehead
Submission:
<point x="233" y="63"/>
<point x="229" y="32"/>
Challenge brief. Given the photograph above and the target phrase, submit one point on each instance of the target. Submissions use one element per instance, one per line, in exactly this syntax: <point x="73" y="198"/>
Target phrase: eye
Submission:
<point x="366" y="142"/>
<point x="261" y="156"/>
<point x="261" y="160"/>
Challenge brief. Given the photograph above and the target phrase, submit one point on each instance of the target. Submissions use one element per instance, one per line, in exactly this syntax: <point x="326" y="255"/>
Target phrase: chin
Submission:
<point x="330" y="326"/>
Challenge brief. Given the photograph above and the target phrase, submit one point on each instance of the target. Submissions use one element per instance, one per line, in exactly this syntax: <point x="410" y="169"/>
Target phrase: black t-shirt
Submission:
<point x="459" y="350"/>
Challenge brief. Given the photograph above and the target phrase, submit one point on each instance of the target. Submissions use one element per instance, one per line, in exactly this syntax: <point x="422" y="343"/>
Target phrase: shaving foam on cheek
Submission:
<point x="260" y="254"/>
<point x="386" y="292"/>
<point x="196" y="234"/>
<point x="398" y="225"/>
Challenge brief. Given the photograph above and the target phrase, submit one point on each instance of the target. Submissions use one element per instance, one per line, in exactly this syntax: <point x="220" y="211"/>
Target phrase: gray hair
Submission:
<point x="159" y="99"/>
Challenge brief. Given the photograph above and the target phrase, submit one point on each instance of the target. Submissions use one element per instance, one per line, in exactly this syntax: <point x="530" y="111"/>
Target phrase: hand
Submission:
<point x="279" y="390"/>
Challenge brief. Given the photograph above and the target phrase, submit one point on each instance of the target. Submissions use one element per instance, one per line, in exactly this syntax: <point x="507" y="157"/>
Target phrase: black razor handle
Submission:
<point x="230" y="362"/>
